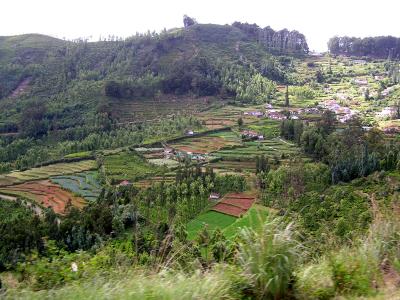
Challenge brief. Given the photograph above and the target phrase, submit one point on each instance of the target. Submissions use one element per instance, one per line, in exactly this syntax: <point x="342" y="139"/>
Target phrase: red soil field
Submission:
<point x="234" y="204"/>
<point x="229" y="209"/>
<point x="47" y="194"/>
<point x="242" y="203"/>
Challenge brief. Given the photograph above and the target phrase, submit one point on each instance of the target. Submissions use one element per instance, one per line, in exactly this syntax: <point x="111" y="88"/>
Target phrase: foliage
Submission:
<point x="20" y="232"/>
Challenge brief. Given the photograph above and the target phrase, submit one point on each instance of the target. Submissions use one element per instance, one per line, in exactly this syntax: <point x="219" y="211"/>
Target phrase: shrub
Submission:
<point x="269" y="257"/>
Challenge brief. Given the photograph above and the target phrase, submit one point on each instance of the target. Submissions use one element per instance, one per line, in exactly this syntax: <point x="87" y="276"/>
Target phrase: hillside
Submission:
<point x="204" y="162"/>
<point x="70" y="75"/>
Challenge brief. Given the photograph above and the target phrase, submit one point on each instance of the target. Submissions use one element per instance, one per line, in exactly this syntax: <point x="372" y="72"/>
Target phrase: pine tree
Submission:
<point x="287" y="104"/>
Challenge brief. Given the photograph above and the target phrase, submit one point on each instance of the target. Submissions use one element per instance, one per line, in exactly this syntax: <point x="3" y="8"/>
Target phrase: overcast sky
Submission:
<point x="318" y="20"/>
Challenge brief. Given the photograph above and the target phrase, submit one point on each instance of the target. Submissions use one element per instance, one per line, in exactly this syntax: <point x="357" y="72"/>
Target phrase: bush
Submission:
<point x="269" y="258"/>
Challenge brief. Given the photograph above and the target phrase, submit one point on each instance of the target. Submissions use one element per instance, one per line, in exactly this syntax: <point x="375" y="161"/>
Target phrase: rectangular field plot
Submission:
<point x="234" y="204"/>
<point x="271" y="148"/>
<point x="256" y="216"/>
<point x="53" y="170"/>
<point x="46" y="194"/>
<point x="211" y="219"/>
<point x="128" y="166"/>
<point x="145" y="183"/>
<point x="153" y="110"/>
<point x="82" y="184"/>
<point x="208" y="143"/>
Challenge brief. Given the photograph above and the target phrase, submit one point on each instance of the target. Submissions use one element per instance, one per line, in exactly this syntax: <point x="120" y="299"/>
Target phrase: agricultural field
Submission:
<point x="230" y="226"/>
<point x="138" y="111"/>
<point x="47" y="171"/>
<point x="272" y="148"/>
<point x="267" y="127"/>
<point x="227" y="115"/>
<point x="127" y="165"/>
<point x="256" y="216"/>
<point x="145" y="183"/>
<point x="208" y="143"/>
<point x="83" y="184"/>
<point x="212" y="219"/>
<point x="83" y="154"/>
<point x="169" y="163"/>
<point x="235" y="205"/>
<point x="46" y="194"/>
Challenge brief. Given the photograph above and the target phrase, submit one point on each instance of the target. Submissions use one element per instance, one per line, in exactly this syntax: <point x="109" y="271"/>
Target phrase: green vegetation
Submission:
<point x="82" y="184"/>
<point x="128" y="166"/>
<point x="50" y="170"/>
<point x="255" y="218"/>
<point x="212" y="220"/>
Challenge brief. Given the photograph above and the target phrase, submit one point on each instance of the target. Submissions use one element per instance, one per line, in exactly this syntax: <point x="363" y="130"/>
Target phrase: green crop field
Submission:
<point x="208" y="143"/>
<point x="213" y="220"/>
<point x="128" y="166"/>
<point x="51" y="170"/>
<point x="83" y="184"/>
<point x="271" y="148"/>
<point x="254" y="218"/>
<point x="230" y="226"/>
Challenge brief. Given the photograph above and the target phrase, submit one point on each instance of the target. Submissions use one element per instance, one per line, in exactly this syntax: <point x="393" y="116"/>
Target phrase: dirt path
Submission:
<point x="7" y="197"/>
<point x="21" y="88"/>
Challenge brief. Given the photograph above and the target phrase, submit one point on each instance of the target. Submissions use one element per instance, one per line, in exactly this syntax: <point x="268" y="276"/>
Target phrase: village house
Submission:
<point x="359" y="61"/>
<point x="257" y="114"/>
<point x="275" y="115"/>
<point x="214" y="196"/>
<point x="124" y="183"/>
<point x="252" y="134"/>
<point x="387" y="91"/>
<point x="360" y="81"/>
<point x="386" y="113"/>
<point x="190" y="132"/>
<point x="168" y="152"/>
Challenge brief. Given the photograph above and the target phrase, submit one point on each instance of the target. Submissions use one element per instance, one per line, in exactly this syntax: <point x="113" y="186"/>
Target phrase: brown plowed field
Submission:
<point x="229" y="209"/>
<point x="234" y="204"/>
<point x="47" y="194"/>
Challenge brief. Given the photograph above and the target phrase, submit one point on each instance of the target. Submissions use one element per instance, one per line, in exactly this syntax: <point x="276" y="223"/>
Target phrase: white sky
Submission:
<point x="318" y="20"/>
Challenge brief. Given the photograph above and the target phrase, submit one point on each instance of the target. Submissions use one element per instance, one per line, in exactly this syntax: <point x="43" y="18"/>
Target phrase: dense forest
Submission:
<point x="376" y="47"/>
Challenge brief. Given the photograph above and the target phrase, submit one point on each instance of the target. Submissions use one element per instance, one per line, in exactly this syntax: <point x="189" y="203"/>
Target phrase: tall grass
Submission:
<point x="269" y="258"/>
<point x="167" y="286"/>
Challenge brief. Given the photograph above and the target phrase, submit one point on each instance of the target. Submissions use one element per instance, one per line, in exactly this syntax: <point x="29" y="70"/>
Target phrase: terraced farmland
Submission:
<point x="47" y="171"/>
<point x="46" y="194"/>
<point x="145" y="183"/>
<point x="226" y="116"/>
<point x="208" y="143"/>
<point x="153" y="110"/>
<point x="271" y="148"/>
<point x="82" y="184"/>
